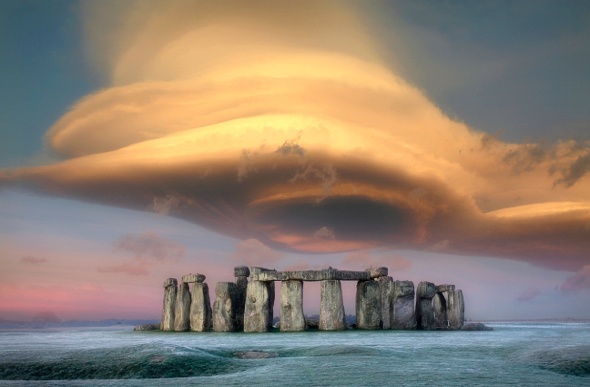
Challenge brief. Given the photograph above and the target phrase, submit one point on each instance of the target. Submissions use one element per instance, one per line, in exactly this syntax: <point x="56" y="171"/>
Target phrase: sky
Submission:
<point x="447" y="140"/>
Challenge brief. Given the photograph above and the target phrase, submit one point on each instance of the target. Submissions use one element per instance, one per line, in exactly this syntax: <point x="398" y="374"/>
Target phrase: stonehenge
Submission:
<point x="247" y="304"/>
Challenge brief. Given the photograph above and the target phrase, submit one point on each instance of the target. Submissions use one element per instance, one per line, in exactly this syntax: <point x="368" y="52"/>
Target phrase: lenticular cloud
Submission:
<point x="284" y="126"/>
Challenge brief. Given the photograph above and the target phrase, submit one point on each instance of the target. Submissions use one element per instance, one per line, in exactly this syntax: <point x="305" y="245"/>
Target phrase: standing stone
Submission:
<point x="168" y="309"/>
<point x="403" y="305"/>
<point x="200" y="314"/>
<point x="368" y="305"/>
<point x="332" y="316"/>
<point x="386" y="287"/>
<point x="259" y="303"/>
<point x="292" y="319"/>
<point x="424" y="310"/>
<point x="224" y="307"/>
<point x="241" y="273"/>
<point x="183" y="306"/>
<point x="439" y="306"/>
<point x="456" y="309"/>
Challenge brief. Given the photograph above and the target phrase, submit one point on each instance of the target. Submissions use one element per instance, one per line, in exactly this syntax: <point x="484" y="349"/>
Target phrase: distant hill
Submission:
<point x="38" y="324"/>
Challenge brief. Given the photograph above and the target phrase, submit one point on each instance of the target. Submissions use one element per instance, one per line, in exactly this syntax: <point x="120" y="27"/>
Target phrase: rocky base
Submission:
<point x="147" y="327"/>
<point x="476" y="327"/>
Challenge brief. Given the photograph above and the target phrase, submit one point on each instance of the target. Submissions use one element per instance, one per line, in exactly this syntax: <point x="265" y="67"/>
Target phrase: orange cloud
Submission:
<point x="285" y="128"/>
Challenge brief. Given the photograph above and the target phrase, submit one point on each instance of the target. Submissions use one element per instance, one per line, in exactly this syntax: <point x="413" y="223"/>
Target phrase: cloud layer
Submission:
<point x="283" y="127"/>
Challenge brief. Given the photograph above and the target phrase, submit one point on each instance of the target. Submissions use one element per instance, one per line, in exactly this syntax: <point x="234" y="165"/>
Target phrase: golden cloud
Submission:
<point x="283" y="127"/>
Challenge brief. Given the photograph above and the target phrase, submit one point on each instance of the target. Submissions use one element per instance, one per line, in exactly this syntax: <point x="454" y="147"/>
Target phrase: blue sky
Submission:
<point x="516" y="71"/>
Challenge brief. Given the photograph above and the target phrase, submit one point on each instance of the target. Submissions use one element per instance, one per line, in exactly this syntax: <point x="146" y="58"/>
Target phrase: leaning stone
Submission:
<point x="377" y="272"/>
<point x="403" y="305"/>
<point x="331" y="306"/>
<point x="368" y="305"/>
<point x="192" y="278"/>
<point x="200" y="313"/>
<point x="224" y="307"/>
<point x="183" y="306"/>
<point x="169" y="305"/>
<point x="292" y="319"/>
<point x="241" y="271"/>
<point x="259" y="304"/>
<point x="439" y="306"/>
<point x="386" y="288"/>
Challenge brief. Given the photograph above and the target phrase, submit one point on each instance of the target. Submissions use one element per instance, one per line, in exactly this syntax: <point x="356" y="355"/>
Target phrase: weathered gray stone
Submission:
<point x="426" y="290"/>
<point x="182" y="309"/>
<point x="445" y="288"/>
<point x="439" y="306"/>
<point x="192" y="278"/>
<point x="386" y="287"/>
<point x="200" y="313"/>
<point x="261" y="274"/>
<point x="332" y="316"/>
<point x="368" y="305"/>
<point x="241" y="271"/>
<point x="224" y="307"/>
<point x="456" y="309"/>
<point x="403" y="305"/>
<point x="376" y="272"/>
<point x="292" y="319"/>
<point x="259" y="303"/>
<point x="424" y="310"/>
<point x="169" y="305"/>
<point x="241" y="285"/>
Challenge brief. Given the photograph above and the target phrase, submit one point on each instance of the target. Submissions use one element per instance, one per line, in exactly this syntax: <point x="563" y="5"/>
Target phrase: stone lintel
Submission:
<point x="170" y="282"/>
<point x="259" y="274"/>
<point x="377" y="272"/>
<point x="241" y="271"/>
<point x="445" y="288"/>
<point x="193" y="278"/>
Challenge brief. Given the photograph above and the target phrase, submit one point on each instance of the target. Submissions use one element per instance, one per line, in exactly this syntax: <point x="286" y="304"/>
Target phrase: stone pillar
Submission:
<point x="424" y="310"/>
<point x="200" y="316"/>
<point x="331" y="307"/>
<point x="368" y="305"/>
<point x="224" y="307"/>
<point x="258" y="311"/>
<point x="168" y="309"/>
<point x="183" y="306"/>
<point x="403" y="305"/>
<point x="439" y="307"/>
<point x="292" y="319"/>
<point x="456" y="309"/>
<point x="386" y="288"/>
<point x="241" y="273"/>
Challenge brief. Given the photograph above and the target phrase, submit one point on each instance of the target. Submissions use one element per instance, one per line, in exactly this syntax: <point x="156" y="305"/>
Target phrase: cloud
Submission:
<point x="286" y="130"/>
<point x="580" y="281"/>
<point x="147" y="249"/>
<point x="528" y="295"/>
<point x="30" y="260"/>
<point x="252" y="252"/>
<point x="362" y="260"/>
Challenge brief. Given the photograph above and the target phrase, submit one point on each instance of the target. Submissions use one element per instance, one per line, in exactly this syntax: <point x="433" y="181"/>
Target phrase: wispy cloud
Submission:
<point x="577" y="282"/>
<point x="148" y="250"/>
<point x="31" y="260"/>
<point x="528" y="295"/>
